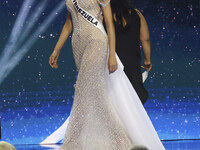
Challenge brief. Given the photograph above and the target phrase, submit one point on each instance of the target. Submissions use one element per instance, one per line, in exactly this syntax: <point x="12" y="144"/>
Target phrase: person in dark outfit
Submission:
<point x="131" y="29"/>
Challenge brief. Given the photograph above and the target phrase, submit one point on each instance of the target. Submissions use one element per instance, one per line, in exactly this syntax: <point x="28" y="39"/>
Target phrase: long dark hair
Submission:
<point x="122" y="9"/>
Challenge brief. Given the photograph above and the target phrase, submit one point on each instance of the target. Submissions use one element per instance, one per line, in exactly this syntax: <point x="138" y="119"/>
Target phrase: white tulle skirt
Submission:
<point x="129" y="110"/>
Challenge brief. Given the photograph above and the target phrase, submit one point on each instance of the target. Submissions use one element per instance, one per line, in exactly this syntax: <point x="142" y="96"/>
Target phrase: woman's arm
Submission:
<point x="145" y="41"/>
<point x="107" y="15"/>
<point x="66" y="31"/>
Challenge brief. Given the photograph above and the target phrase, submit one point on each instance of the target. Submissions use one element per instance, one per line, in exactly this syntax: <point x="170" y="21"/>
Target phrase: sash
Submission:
<point x="89" y="17"/>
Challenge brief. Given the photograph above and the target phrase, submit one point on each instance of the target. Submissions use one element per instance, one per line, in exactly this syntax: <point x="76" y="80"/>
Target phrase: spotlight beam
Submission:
<point x="7" y="67"/>
<point x="32" y="21"/>
<point x="15" y="33"/>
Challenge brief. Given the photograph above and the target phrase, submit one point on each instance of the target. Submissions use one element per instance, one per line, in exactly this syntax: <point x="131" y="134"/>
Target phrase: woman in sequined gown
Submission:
<point x="94" y="123"/>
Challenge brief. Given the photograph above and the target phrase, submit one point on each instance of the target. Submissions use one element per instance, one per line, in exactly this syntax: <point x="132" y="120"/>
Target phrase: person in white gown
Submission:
<point x="107" y="113"/>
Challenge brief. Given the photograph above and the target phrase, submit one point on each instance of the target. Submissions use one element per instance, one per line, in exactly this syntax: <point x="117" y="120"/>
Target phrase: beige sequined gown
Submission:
<point x="93" y="125"/>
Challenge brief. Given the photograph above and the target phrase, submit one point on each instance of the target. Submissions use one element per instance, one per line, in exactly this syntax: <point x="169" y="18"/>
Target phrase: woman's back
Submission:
<point x="127" y="40"/>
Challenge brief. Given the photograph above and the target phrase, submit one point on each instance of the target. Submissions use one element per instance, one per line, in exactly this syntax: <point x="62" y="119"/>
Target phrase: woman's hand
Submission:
<point x="112" y="63"/>
<point x="53" y="59"/>
<point x="147" y="65"/>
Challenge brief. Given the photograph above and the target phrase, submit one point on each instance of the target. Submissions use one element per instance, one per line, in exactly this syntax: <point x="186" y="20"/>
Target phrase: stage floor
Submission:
<point x="169" y="145"/>
<point x="35" y="117"/>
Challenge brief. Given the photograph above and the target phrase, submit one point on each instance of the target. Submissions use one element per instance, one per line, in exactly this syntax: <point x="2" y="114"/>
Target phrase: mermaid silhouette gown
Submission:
<point x="106" y="113"/>
<point x="92" y="124"/>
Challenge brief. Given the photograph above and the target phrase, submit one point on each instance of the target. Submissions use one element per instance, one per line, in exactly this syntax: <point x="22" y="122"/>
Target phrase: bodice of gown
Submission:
<point x="84" y="32"/>
<point x="94" y="7"/>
